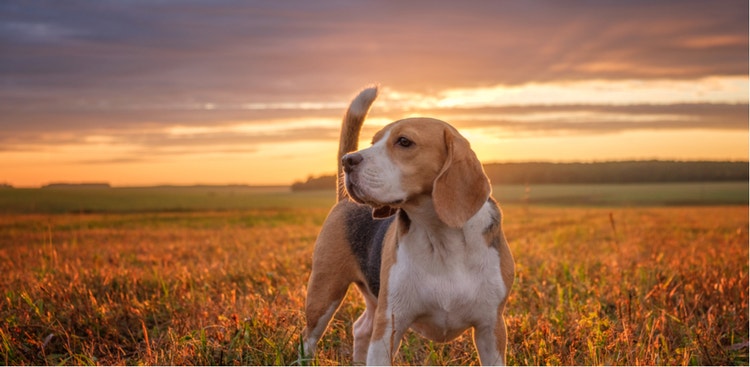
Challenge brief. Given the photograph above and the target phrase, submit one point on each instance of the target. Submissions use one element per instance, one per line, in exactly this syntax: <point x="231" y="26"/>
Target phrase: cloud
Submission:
<point x="612" y="92"/>
<point x="507" y="121"/>
<point x="524" y="121"/>
<point x="207" y="51"/>
<point x="210" y="139"/>
<point x="131" y="71"/>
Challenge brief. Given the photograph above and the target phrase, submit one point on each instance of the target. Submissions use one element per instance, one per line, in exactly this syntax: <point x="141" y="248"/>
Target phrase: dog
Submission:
<point x="416" y="230"/>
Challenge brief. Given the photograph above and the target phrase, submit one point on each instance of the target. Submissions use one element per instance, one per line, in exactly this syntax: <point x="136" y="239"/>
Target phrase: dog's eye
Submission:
<point x="404" y="142"/>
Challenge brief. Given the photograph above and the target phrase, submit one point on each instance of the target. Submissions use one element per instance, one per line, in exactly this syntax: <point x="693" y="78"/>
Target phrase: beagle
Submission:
<point x="416" y="230"/>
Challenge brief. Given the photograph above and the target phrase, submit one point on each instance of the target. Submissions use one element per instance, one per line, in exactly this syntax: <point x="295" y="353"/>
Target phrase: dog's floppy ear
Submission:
<point x="461" y="187"/>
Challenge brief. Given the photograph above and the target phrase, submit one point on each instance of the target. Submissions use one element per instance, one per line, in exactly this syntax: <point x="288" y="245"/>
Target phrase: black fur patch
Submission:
<point x="403" y="223"/>
<point x="495" y="225"/>
<point x="365" y="235"/>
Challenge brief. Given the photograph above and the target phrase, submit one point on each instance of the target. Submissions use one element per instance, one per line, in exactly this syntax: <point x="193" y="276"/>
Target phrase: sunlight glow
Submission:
<point x="492" y="145"/>
<point x="585" y="92"/>
<point x="281" y="150"/>
<point x="573" y="116"/>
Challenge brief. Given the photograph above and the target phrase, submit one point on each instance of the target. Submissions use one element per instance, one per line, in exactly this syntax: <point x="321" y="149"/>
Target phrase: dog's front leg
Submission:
<point x="363" y="328"/>
<point x="490" y="341"/>
<point x="386" y="337"/>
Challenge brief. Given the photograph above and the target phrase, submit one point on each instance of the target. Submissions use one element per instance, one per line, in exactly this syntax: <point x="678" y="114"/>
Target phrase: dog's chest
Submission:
<point x="447" y="282"/>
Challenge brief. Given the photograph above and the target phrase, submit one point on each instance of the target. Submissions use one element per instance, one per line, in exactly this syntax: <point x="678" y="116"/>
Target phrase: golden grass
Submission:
<point x="635" y="286"/>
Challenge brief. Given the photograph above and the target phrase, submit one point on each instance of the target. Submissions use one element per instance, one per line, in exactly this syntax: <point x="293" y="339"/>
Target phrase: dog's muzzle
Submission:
<point x="350" y="163"/>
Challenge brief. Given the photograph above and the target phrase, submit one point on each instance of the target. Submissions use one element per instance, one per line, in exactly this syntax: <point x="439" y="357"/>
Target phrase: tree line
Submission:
<point x="597" y="172"/>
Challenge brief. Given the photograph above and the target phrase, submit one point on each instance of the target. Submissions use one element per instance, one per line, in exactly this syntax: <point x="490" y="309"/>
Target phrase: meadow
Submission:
<point x="605" y="276"/>
<point x="200" y="198"/>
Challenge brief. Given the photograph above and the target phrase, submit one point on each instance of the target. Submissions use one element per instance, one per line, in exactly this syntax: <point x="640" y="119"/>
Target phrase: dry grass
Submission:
<point x="665" y="286"/>
<point x="644" y="286"/>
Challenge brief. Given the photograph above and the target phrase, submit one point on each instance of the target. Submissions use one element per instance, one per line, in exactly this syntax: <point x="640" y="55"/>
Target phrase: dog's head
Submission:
<point x="415" y="158"/>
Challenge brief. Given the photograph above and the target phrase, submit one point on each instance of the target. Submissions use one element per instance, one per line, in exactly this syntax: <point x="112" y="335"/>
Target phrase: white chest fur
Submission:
<point x="446" y="280"/>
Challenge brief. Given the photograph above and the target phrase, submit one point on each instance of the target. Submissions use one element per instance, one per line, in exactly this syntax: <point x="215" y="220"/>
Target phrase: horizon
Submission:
<point x="210" y="93"/>
<point x="58" y="183"/>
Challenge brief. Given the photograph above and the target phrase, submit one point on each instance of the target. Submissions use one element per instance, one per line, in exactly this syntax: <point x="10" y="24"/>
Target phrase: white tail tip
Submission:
<point x="361" y="104"/>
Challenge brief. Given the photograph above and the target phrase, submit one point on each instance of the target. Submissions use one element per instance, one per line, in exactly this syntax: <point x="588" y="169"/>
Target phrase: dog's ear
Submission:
<point x="461" y="187"/>
<point x="383" y="212"/>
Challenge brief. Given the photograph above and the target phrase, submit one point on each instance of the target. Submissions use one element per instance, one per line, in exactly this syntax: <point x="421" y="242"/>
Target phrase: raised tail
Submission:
<point x="350" y="129"/>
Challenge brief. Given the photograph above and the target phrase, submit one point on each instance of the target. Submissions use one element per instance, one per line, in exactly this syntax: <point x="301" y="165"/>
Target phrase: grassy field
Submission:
<point x="619" y="285"/>
<point x="176" y="199"/>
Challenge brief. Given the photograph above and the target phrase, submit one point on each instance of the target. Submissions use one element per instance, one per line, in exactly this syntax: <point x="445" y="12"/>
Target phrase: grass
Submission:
<point x="649" y="286"/>
<point x="158" y="278"/>
<point x="202" y="288"/>
<point x="157" y="199"/>
<point x="595" y="285"/>
<point x="635" y="194"/>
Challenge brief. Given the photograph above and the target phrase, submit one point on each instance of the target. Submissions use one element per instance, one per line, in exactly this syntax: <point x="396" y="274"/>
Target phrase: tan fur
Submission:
<point x="389" y="258"/>
<point x="461" y="187"/>
<point x="495" y="237"/>
<point x="419" y="166"/>
<point x="335" y="268"/>
<point x="450" y="172"/>
<point x="438" y="187"/>
<point x="334" y="263"/>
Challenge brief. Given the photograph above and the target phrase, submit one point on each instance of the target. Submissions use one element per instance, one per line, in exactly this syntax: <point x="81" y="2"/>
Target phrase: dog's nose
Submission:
<point x="350" y="161"/>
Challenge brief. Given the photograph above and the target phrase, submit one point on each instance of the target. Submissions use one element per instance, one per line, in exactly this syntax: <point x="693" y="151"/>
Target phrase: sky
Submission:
<point x="253" y="92"/>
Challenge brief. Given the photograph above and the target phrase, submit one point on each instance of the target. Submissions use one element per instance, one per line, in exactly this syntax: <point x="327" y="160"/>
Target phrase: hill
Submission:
<point x="597" y="172"/>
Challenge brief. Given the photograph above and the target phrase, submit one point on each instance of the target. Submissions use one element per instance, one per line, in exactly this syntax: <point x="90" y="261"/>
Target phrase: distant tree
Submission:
<point x="616" y="172"/>
<point x="85" y="185"/>
<point x="316" y="183"/>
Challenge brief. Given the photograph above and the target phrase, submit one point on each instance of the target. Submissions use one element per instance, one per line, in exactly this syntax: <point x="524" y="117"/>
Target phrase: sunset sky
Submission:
<point x="252" y="92"/>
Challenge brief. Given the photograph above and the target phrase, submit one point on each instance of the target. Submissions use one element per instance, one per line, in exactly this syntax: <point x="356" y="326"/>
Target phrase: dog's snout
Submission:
<point x="351" y="160"/>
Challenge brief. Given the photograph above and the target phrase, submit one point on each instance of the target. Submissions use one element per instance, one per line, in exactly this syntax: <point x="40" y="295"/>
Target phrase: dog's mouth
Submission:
<point x="360" y="195"/>
<point x="354" y="191"/>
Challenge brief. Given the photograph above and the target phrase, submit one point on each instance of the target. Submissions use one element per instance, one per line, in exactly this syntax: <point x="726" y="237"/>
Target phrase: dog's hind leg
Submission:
<point x="324" y="296"/>
<point x="333" y="269"/>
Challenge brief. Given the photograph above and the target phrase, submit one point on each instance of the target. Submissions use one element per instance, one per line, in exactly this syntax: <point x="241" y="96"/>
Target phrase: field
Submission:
<point x="176" y="199"/>
<point x="219" y="277"/>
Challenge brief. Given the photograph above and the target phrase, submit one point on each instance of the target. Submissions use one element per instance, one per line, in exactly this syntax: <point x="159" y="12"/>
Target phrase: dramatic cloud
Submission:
<point x="114" y="52"/>
<point x="582" y="119"/>
<point x="155" y="78"/>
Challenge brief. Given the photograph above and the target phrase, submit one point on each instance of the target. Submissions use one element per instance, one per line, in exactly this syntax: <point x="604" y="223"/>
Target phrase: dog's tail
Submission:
<point x="350" y="128"/>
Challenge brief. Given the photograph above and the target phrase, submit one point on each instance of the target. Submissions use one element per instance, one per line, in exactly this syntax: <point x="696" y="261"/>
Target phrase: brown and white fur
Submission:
<point x="421" y="238"/>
